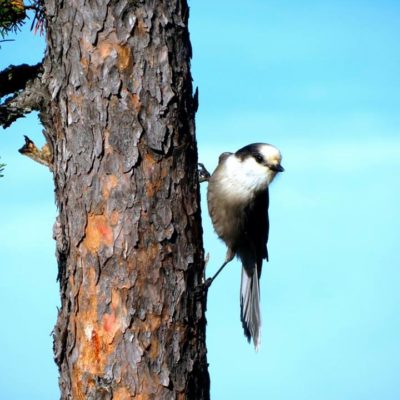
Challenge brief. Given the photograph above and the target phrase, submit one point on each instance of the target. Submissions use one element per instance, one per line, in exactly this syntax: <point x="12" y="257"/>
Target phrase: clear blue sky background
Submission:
<point x="320" y="80"/>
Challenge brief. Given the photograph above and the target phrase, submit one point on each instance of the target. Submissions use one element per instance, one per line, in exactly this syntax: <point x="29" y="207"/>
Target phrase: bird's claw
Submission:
<point x="208" y="283"/>
<point x="204" y="175"/>
<point x="202" y="289"/>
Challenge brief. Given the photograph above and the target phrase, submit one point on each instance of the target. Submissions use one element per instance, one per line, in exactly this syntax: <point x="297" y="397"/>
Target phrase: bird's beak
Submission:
<point x="277" y="168"/>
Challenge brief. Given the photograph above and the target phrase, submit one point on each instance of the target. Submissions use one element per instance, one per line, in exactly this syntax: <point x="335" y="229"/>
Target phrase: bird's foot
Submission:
<point x="208" y="283"/>
<point x="201" y="290"/>
<point x="204" y="175"/>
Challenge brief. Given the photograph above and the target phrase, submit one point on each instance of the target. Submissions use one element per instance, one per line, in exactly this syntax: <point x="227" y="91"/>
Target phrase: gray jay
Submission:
<point x="238" y="202"/>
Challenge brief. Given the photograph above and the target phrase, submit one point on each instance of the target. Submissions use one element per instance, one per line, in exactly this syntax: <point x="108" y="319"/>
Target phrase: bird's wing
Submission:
<point x="252" y="251"/>
<point x="257" y="226"/>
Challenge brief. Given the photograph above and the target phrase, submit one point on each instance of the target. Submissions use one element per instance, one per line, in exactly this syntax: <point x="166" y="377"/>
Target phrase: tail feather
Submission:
<point x="250" y="314"/>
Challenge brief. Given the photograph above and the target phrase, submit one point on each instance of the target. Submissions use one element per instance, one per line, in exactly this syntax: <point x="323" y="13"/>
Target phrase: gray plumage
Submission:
<point x="238" y="203"/>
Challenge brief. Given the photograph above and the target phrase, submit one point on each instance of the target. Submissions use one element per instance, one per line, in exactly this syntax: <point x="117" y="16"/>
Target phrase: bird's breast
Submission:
<point x="226" y="204"/>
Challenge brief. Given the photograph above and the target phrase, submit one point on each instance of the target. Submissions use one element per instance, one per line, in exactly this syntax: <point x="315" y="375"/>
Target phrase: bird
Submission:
<point x="238" y="201"/>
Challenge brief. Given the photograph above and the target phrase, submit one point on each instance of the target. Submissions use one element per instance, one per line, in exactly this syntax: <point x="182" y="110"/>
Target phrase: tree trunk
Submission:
<point x="129" y="238"/>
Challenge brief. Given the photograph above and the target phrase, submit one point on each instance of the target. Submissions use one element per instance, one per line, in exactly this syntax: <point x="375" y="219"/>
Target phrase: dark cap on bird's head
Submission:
<point x="264" y="154"/>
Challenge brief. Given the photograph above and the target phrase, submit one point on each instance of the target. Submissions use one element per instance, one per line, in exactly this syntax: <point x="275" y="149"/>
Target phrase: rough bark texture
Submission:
<point x="120" y="123"/>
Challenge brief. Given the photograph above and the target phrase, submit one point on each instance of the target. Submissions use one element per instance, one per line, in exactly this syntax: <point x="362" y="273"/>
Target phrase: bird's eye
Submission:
<point x="259" y="158"/>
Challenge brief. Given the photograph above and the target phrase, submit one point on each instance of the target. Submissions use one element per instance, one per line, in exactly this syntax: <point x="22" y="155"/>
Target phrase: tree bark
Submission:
<point x="120" y="123"/>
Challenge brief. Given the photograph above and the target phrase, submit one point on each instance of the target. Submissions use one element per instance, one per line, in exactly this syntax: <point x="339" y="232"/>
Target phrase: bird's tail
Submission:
<point x="250" y="314"/>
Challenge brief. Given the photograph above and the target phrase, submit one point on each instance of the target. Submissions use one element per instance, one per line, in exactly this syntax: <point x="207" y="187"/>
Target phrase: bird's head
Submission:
<point x="260" y="161"/>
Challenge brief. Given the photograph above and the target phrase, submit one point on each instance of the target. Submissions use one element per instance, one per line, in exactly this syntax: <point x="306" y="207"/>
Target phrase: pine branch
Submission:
<point x="30" y="99"/>
<point x="15" y="77"/>
<point x="43" y="156"/>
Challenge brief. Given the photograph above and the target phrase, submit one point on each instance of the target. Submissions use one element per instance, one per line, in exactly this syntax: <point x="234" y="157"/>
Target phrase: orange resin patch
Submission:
<point x="98" y="233"/>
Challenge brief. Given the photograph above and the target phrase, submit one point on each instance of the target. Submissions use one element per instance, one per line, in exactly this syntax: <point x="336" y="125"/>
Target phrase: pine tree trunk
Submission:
<point x="121" y="125"/>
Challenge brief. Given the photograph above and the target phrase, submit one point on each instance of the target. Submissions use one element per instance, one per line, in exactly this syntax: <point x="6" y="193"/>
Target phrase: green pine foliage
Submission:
<point x="2" y="169"/>
<point x="12" y="15"/>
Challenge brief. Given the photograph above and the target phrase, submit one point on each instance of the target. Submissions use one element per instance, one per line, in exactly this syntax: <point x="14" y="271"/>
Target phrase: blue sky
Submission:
<point x="320" y="80"/>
